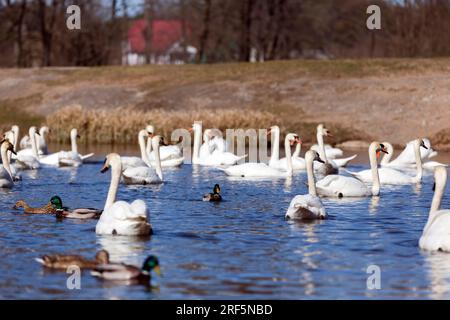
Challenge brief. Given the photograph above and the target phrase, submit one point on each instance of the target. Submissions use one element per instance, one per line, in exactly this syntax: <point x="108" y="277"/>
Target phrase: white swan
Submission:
<point x="170" y="155"/>
<point x="120" y="217"/>
<point x="15" y="130"/>
<point x="146" y="174"/>
<point x="204" y="157"/>
<point x="392" y="176"/>
<point x="281" y="164"/>
<point x="42" y="145"/>
<point x="330" y="152"/>
<point x="330" y="166"/>
<point x="165" y="152"/>
<point x="343" y="186"/>
<point x="73" y="158"/>
<point x="436" y="233"/>
<point x="25" y="142"/>
<point x="386" y="161"/>
<point x="24" y="159"/>
<point x="6" y="176"/>
<point x="308" y="206"/>
<point x="262" y="170"/>
<point x="408" y="156"/>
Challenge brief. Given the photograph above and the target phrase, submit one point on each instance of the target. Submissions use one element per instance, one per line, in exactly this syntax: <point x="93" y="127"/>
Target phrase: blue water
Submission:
<point x="241" y="248"/>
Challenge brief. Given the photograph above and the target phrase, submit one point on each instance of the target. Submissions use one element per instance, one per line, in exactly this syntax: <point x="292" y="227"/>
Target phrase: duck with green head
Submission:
<point x="79" y="213"/>
<point x="214" y="196"/>
<point x="125" y="272"/>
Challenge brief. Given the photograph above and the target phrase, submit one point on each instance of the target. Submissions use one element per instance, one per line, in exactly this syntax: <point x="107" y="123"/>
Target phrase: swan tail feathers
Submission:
<point x="87" y="156"/>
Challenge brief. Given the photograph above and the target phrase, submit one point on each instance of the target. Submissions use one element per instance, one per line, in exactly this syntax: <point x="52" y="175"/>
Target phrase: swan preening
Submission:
<point x="120" y="217"/>
<point x="309" y="206"/>
<point x="436" y="233"/>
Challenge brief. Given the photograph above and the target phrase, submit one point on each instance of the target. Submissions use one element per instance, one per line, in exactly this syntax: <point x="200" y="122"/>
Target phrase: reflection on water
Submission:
<point x="239" y="248"/>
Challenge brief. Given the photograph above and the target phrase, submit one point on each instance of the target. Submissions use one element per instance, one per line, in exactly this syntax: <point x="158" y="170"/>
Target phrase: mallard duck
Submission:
<point x="47" y="209"/>
<point x="215" y="196"/>
<point x="79" y="213"/>
<point x="58" y="261"/>
<point x="123" y="272"/>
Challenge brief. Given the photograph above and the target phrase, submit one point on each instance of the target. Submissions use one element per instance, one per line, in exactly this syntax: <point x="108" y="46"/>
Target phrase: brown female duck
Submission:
<point x="58" y="261"/>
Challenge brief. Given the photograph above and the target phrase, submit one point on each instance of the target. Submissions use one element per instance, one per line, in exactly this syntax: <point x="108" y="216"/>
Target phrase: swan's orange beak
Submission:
<point x="269" y="131"/>
<point x="191" y="129"/>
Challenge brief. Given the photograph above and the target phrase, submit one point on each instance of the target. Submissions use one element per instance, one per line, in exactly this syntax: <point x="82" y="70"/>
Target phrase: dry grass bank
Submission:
<point x="121" y="125"/>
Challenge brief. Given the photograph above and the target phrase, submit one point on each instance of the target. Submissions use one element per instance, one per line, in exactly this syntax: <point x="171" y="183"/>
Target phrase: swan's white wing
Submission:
<point x="27" y="161"/>
<point x="140" y="175"/>
<point x="51" y="159"/>
<point x="225" y="158"/>
<point x="130" y="162"/>
<point x="306" y="207"/>
<point x="69" y="158"/>
<point x="87" y="156"/>
<point x="174" y="162"/>
<point x="297" y="164"/>
<point x="124" y="219"/>
<point x="342" y="186"/>
<point x="437" y="235"/>
<point x="220" y="144"/>
<point x="253" y="170"/>
<point x="407" y="156"/>
<point x="343" y="162"/>
<point x="25" y="142"/>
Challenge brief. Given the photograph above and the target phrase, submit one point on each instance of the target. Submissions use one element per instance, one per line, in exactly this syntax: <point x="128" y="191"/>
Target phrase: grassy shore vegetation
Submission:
<point x="120" y="126"/>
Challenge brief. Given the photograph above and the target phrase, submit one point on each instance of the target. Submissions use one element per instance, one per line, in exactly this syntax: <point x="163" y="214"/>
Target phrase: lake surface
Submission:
<point x="241" y="248"/>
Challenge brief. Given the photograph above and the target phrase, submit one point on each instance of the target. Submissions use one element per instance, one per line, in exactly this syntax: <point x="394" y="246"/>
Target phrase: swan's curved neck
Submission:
<point x="440" y="184"/>
<point x="298" y="149"/>
<point x="419" y="175"/>
<point x="149" y="146"/>
<point x="5" y="160"/>
<point x="34" y="144"/>
<point x="287" y="148"/>
<point x="116" y="172"/>
<point x="322" y="152"/>
<point x="73" y="140"/>
<point x="197" y="143"/>
<point x="158" y="168"/>
<point x="42" y="138"/>
<point x="387" y="157"/>
<point x="142" y="147"/>
<point x="275" y="156"/>
<point x="311" y="179"/>
<point x="16" y="138"/>
<point x="374" y="170"/>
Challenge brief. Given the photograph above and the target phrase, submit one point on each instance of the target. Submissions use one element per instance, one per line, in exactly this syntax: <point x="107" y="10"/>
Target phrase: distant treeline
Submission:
<point x="34" y="33"/>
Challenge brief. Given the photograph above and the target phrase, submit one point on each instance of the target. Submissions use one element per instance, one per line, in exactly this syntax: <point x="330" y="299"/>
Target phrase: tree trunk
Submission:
<point x="205" y="33"/>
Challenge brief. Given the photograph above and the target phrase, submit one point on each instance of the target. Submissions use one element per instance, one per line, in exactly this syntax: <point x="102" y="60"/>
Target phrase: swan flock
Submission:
<point x="326" y="175"/>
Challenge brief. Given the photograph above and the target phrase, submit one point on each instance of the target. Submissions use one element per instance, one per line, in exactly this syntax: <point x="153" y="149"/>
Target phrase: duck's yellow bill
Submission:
<point x="157" y="270"/>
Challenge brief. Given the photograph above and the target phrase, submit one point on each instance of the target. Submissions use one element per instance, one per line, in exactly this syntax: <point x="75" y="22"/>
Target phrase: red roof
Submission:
<point x="164" y="34"/>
